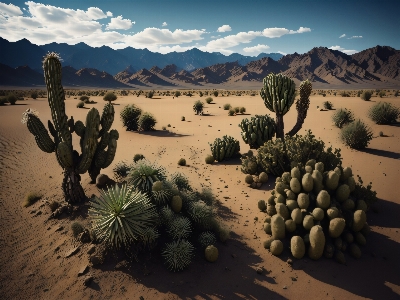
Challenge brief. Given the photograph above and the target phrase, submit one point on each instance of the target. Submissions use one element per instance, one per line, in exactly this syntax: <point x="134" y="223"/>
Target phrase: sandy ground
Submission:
<point x="33" y="263"/>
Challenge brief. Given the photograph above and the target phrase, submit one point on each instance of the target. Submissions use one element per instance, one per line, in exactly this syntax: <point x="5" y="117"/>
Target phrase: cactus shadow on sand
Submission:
<point x="162" y="133"/>
<point x="383" y="153"/>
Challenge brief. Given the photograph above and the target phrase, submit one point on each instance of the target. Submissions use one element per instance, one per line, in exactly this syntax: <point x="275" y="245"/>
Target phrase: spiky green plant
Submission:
<point x="342" y="117"/>
<point x="121" y="170"/>
<point x="328" y="105"/>
<point x="366" y="95"/>
<point x="146" y="122"/>
<point x="179" y="228"/>
<point x="149" y="237"/>
<point x="207" y="196"/>
<point x="198" y="107"/>
<point x="227" y="106"/>
<point x="202" y="214"/>
<point x="257" y="130"/>
<point x="384" y="113"/>
<point x="178" y="255"/>
<point x="121" y="215"/>
<point x="180" y="181"/>
<point x="206" y="239"/>
<point x="225" y="148"/>
<point x="130" y="116"/>
<point x="356" y="135"/>
<point x="161" y="193"/>
<point x="166" y="215"/>
<point x="144" y="173"/>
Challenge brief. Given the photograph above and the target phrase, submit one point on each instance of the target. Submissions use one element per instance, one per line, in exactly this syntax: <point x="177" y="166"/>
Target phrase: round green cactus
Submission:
<point x="257" y="130"/>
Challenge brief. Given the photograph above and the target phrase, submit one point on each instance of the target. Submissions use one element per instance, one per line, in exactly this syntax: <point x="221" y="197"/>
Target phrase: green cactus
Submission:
<point x="225" y="148"/>
<point x="94" y="155"/>
<point x="257" y="130"/>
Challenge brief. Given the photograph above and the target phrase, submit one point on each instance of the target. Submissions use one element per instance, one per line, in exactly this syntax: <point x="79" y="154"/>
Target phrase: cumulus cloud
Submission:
<point x="278" y="32"/>
<point x="355" y="37"/>
<point x="109" y="14"/>
<point x="341" y="49"/>
<point x="164" y="24"/>
<point x="283" y="53"/>
<point x="9" y="10"/>
<point x="224" y="28"/>
<point x="342" y="36"/>
<point x="256" y="49"/>
<point x="119" y="23"/>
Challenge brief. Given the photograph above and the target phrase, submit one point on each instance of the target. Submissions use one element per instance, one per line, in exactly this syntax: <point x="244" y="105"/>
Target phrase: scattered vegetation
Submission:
<point x="227" y="106"/>
<point x="384" y="113"/>
<point x="130" y="116"/>
<point x="209" y="100"/>
<point x="356" y="135"/>
<point x="146" y="122"/>
<point x="77" y="229"/>
<point x="342" y="117"/>
<point x="110" y="96"/>
<point x="198" y="107"/>
<point x="31" y="198"/>
<point x="366" y="95"/>
<point x="328" y="105"/>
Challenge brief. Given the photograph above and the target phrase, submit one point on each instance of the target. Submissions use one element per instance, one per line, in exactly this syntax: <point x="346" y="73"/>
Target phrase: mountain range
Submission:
<point x="378" y="66"/>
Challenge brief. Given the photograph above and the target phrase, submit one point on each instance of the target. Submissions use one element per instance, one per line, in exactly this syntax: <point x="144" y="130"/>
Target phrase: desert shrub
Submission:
<point x="130" y="116"/>
<point x="201" y="94"/>
<point x="146" y="122"/>
<point x="366" y="95"/>
<point x="77" y="229"/>
<point x="242" y="110"/>
<point x="121" y="216"/>
<point x="227" y="106"/>
<point x="177" y="93"/>
<point x="31" y="198"/>
<point x="138" y="157"/>
<point x="382" y="94"/>
<point x="356" y="135"/>
<point x="342" y="117"/>
<point x="327" y="105"/>
<point x="164" y="128"/>
<point x="384" y="113"/>
<point x="12" y="99"/>
<point x="231" y="112"/>
<point x="396" y="94"/>
<point x="183" y="118"/>
<point x="121" y="170"/>
<point x="209" y="100"/>
<point x="215" y="93"/>
<point x="344" y="94"/>
<point x="84" y="98"/>
<point x="198" y="107"/>
<point x="80" y="104"/>
<point x="3" y="100"/>
<point x="236" y="109"/>
<point x="150" y="94"/>
<point x="53" y="205"/>
<point x="34" y="95"/>
<point x="110" y="96"/>
<point x="182" y="162"/>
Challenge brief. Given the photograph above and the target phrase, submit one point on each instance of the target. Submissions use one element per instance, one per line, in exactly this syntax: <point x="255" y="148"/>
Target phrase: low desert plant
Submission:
<point x="382" y="94"/>
<point x="384" y="113"/>
<point x="327" y="105"/>
<point x="53" y="205"/>
<point x="164" y="128"/>
<point x="177" y="94"/>
<point x="121" y="170"/>
<point x="31" y="198"/>
<point x="342" y="117"/>
<point x="178" y="255"/>
<point x="356" y="135"/>
<point x="110" y="96"/>
<point x="80" y="104"/>
<point x="198" y="107"/>
<point x="183" y="118"/>
<point x="34" y="95"/>
<point x="3" y="100"/>
<point x="215" y="93"/>
<point x="77" y="229"/>
<point x="396" y="94"/>
<point x="84" y="98"/>
<point x="236" y="109"/>
<point x="137" y="157"/>
<point x="366" y="95"/>
<point x="150" y="94"/>
<point x="130" y="115"/>
<point x="227" y="106"/>
<point x="146" y="122"/>
<point x="242" y="110"/>
<point x="344" y="94"/>
<point x="209" y="100"/>
<point x="231" y="112"/>
<point x="201" y="94"/>
<point x="143" y="174"/>
<point x="209" y="159"/>
<point x="182" y="162"/>
<point x="12" y="99"/>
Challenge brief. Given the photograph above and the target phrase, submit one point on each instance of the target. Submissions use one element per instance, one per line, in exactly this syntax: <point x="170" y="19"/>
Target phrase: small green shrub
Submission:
<point x="53" y="205"/>
<point x="34" y="95"/>
<point x="242" y="110"/>
<point x="344" y="94"/>
<point x="130" y="116"/>
<point x="215" y="93"/>
<point x="110" y="96"/>
<point x="12" y="99"/>
<point x="80" y="104"/>
<point x="150" y="94"/>
<point x="137" y="157"/>
<point x="382" y="94"/>
<point x="3" y="100"/>
<point x="209" y="100"/>
<point x="356" y="135"/>
<point x="198" y="107"/>
<point x="31" y="198"/>
<point x="396" y="94"/>
<point x="236" y="109"/>
<point x="177" y="94"/>
<point x="77" y="229"/>
<point x="121" y="169"/>
<point x="84" y="98"/>
<point x="384" y="113"/>
<point x="164" y="128"/>
<point x="342" y="117"/>
<point x="328" y="105"/>
<point x="366" y="95"/>
<point x="201" y="94"/>
<point x="231" y="112"/>
<point x="227" y="106"/>
<point x="146" y="122"/>
<point x="182" y="162"/>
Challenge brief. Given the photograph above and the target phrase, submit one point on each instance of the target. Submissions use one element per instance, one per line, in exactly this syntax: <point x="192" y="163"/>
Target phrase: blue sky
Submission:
<point x="246" y="27"/>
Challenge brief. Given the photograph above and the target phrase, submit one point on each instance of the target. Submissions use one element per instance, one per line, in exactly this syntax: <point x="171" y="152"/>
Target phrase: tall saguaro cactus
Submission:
<point x="278" y="94"/>
<point x="98" y="146"/>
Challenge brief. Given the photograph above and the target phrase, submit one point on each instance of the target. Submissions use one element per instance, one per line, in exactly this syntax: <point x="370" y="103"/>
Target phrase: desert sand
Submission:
<point x="33" y="249"/>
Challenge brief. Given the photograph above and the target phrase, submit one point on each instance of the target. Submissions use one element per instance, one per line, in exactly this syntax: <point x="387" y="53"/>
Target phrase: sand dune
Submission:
<point x="33" y="258"/>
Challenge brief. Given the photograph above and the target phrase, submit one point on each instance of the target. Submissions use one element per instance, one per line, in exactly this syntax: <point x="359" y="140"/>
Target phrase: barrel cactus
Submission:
<point x="95" y="135"/>
<point x="257" y="130"/>
<point x="225" y="148"/>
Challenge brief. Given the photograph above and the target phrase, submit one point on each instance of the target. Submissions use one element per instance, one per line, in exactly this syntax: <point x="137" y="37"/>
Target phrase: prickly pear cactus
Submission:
<point x="257" y="130"/>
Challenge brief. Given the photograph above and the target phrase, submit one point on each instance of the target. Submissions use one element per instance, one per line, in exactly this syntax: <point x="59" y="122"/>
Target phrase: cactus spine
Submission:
<point x="94" y="155"/>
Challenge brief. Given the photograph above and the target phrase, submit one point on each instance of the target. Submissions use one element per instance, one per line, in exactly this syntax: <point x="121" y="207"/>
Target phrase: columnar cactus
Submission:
<point x="257" y="130"/>
<point x="93" y="156"/>
<point x="278" y="94"/>
<point x="224" y="148"/>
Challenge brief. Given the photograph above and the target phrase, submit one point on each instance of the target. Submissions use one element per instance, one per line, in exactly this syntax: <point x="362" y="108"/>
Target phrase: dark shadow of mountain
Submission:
<point x="384" y="153"/>
<point x="162" y="133"/>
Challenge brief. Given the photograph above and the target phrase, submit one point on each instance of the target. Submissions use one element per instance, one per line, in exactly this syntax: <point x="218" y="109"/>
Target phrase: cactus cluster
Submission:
<point x="225" y="148"/>
<point x="257" y="130"/>
<point x="319" y="210"/>
<point x="98" y="144"/>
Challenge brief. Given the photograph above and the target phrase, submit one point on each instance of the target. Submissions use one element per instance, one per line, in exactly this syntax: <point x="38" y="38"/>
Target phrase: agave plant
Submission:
<point x="143" y="174"/>
<point x="121" y="215"/>
<point x="178" y="254"/>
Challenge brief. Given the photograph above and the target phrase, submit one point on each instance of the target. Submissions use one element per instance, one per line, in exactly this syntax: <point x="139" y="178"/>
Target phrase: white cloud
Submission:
<point x="156" y="36"/>
<point x="9" y="10"/>
<point x="232" y="40"/>
<point x="224" y="28"/>
<point x="164" y="24"/>
<point x="256" y="49"/>
<point x="278" y="32"/>
<point x="283" y="53"/>
<point x="355" y="37"/>
<point x="349" y="52"/>
<point x="119" y="23"/>
<point x="95" y="13"/>
<point x="342" y="36"/>
<point x="109" y="14"/>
